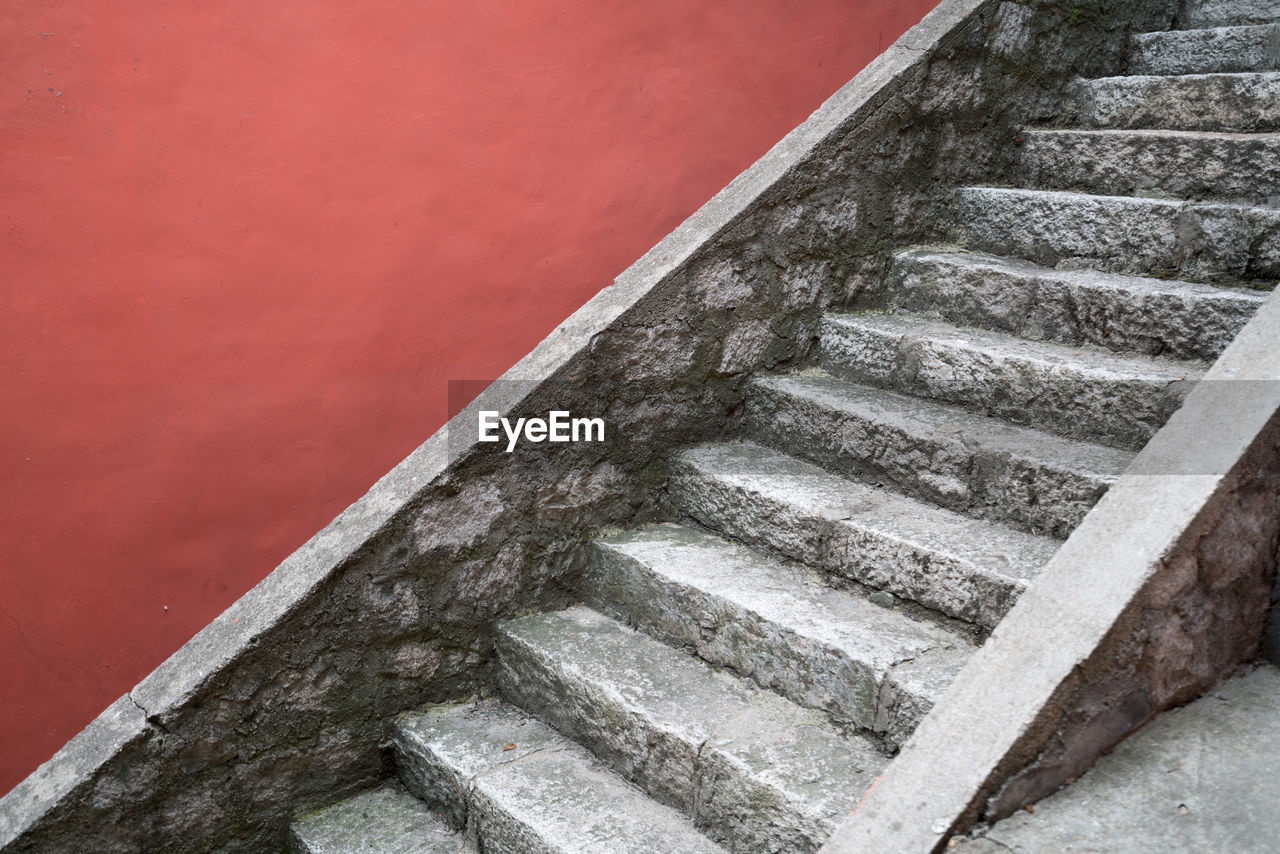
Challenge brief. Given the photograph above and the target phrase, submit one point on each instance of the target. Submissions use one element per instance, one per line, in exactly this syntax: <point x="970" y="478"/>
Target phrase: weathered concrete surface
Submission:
<point x="964" y="567"/>
<point x="778" y="624"/>
<point x="1197" y="779"/>
<point x="1156" y="317"/>
<point x="1230" y="167"/>
<point x="1190" y="240"/>
<point x="523" y="788"/>
<point x="1243" y="103"/>
<point x="1158" y="594"/>
<point x="386" y="820"/>
<point x="1226" y="13"/>
<point x="1080" y="392"/>
<point x="1215" y="50"/>
<point x="979" y="466"/>
<point x="755" y="771"/>
<point x="281" y="703"/>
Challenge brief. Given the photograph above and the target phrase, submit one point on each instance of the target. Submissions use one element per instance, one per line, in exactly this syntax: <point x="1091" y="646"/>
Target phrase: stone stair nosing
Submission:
<point x="780" y="625"/>
<point x="754" y="770"/>
<point x="1081" y="392"/>
<point x="966" y="568"/>
<point x="1130" y="314"/>
<point x="1194" y="240"/>
<point x="519" y="787"/>
<point x="1207" y="51"/>
<point x="1204" y="165"/>
<point x="943" y="454"/>
<point x="385" y="820"/>
<point x="1243" y="102"/>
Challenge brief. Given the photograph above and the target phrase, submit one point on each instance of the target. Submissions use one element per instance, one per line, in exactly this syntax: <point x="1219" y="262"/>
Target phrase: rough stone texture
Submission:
<point x="1226" y="13"/>
<point x="963" y="567"/>
<point x="1080" y="392"/>
<point x="1197" y="779"/>
<point x="386" y="820"/>
<point x="1230" y="167"/>
<point x="1190" y="240"/>
<point x="753" y="769"/>
<point x="1217" y="50"/>
<point x="1230" y="102"/>
<point x="780" y="625"/>
<point x="281" y="703"/>
<point x="1156" y="317"/>
<point x="1271" y="640"/>
<point x="1158" y="595"/>
<point x="525" y="789"/>
<point x="945" y="455"/>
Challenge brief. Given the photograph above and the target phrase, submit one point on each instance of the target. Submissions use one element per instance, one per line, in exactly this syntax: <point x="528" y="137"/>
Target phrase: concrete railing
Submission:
<point x="282" y="702"/>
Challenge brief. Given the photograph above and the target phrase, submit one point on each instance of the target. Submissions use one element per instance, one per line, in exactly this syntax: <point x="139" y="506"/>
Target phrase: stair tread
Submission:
<point x="385" y="820"/>
<point x="927" y="417"/>
<point x="1217" y="240"/>
<point x="780" y="624"/>
<point x="1239" y="100"/>
<point x="1096" y="279"/>
<point x="1209" y="13"/>
<point x="1241" y="48"/>
<point x="719" y="717"/>
<point x="1084" y="358"/>
<point x="1172" y="205"/>
<point x="525" y="780"/>
<point x="1181" y="164"/>
<point x="1176" y="79"/>
<point x="994" y="548"/>
<point x="793" y="597"/>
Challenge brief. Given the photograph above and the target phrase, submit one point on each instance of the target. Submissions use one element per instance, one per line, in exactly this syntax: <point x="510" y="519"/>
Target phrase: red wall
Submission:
<point x="245" y="245"/>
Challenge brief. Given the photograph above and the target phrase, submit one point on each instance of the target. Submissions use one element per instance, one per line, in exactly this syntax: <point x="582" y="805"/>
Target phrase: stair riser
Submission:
<point x="799" y="668"/>
<point x="842" y="547"/>
<point x="1220" y="50"/>
<point x="1072" y="309"/>
<point x="1239" y="103"/>
<point x="1122" y="412"/>
<point x="1210" y="242"/>
<point x="695" y="778"/>
<point x="1228" y="13"/>
<point x="938" y="468"/>
<point x="1238" y="169"/>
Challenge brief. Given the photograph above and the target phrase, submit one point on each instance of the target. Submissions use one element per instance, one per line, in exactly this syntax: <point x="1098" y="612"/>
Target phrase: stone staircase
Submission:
<point x="737" y="678"/>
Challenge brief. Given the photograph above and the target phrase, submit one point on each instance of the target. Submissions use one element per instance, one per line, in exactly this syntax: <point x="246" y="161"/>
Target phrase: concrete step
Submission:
<point x="946" y="455"/>
<point x="386" y="820"/>
<point x="1233" y="167"/>
<point x="1081" y="392"/>
<point x="1154" y="317"/>
<point x="1244" y="102"/>
<point x="1199" y="241"/>
<point x="1227" y="13"/>
<point x="1207" y="51"/>
<point x="753" y="769"/>
<point x="520" y="787"/>
<point x="963" y="567"/>
<point x="779" y="624"/>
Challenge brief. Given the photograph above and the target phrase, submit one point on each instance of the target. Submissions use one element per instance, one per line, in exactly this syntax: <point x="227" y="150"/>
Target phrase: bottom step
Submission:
<point x="522" y="788"/>
<point x="387" y="820"/>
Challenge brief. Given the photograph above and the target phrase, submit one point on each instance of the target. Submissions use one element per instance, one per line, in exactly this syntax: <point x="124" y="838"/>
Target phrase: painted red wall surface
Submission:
<point x="245" y="246"/>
